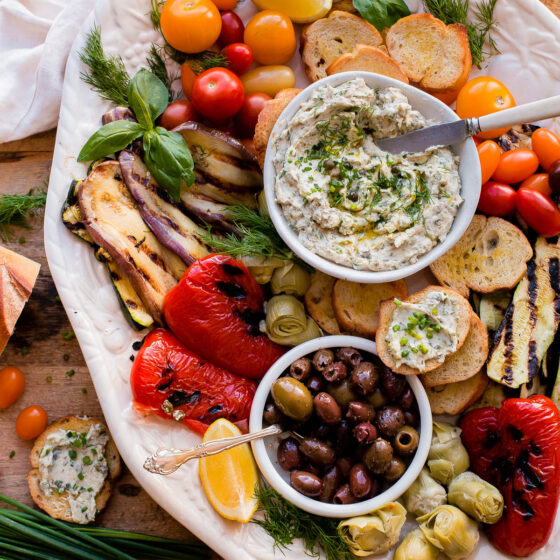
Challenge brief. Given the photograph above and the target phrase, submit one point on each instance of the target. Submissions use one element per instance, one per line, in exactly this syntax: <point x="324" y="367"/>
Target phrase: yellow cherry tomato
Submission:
<point x="271" y="36"/>
<point x="190" y="26"/>
<point x="268" y="79"/>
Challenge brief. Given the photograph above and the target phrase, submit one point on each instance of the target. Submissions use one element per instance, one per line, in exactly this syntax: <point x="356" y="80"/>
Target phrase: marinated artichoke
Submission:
<point x="451" y="531"/>
<point x="424" y="495"/>
<point x="287" y="323"/>
<point x="262" y="268"/>
<point x="291" y="279"/>
<point x="476" y="497"/>
<point x="415" y="547"/>
<point x="448" y="457"/>
<point x="375" y="533"/>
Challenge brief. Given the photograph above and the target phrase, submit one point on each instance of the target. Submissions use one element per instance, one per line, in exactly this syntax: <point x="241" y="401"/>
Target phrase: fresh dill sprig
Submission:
<point x="285" y="522"/>
<point x="155" y="13"/>
<point x="206" y="60"/>
<point x="107" y="74"/>
<point x="256" y="236"/>
<point x="478" y="31"/>
<point x="156" y="65"/>
<point x="15" y="209"/>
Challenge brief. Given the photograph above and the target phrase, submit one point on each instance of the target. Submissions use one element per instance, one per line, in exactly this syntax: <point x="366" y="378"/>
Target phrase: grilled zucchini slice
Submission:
<point x="111" y="217"/>
<point x="492" y="308"/>
<point x="530" y="322"/>
<point x="72" y="215"/>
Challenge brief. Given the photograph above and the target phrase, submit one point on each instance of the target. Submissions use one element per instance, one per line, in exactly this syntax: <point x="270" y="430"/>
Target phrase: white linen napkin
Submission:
<point x="35" y="39"/>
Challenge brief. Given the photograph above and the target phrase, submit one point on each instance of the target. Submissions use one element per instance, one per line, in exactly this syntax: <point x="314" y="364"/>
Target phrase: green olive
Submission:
<point x="293" y="398"/>
<point x="342" y="393"/>
<point x="406" y="441"/>
<point x="377" y="399"/>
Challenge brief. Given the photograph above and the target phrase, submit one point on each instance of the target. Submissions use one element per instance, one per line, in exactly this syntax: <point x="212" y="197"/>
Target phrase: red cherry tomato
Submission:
<point x="496" y="199"/>
<point x="538" y="182"/>
<point x="232" y="28"/>
<point x="515" y="166"/>
<point x="177" y="113"/>
<point x="246" y="119"/>
<point x="239" y="57"/>
<point x="217" y="94"/>
<point x="489" y="154"/>
<point x="539" y="211"/>
<point x="31" y="422"/>
<point x="546" y="145"/>
<point x="12" y="384"/>
<point x="225" y="4"/>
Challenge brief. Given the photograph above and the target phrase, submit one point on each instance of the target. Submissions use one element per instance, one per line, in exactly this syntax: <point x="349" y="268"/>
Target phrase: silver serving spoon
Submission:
<point x="168" y="460"/>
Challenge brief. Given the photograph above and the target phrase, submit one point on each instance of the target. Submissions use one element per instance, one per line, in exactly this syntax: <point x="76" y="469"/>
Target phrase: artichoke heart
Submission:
<point x="424" y="495"/>
<point x="262" y="268"/>
<point x="415" y="547"/>
<point x="374" y="533"/>
<point x="287" y="323"/>
<point x="447" y="457"/>
<point x="451" y="531"/>
<point x="291" y="279"/>
<point x="476" y="497"/>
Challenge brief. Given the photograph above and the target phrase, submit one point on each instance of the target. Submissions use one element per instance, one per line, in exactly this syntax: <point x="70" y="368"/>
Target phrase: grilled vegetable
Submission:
<point x="556" y="390"/>
<point x="111" y="217"/>
<point x="531" y="320"/>
<point x="518" y="136"/>
<point x="72" y="215"/>
<point x="174" y="229"/>
<point x="220" y="159"/>
<point x="207" y="210"/>
<point x="492" y="308"/>
<point x="220" y="194"/>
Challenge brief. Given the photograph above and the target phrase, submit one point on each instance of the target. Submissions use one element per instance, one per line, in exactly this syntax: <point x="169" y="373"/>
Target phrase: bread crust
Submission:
<point x="386" y="310"/>
<point x="57" y="506"/>
<point x="318" y="301"/>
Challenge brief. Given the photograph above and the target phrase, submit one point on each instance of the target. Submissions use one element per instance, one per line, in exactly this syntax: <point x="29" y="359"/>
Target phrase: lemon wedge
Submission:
<point x="299" y="11"/>
<point x="230" y="477"/>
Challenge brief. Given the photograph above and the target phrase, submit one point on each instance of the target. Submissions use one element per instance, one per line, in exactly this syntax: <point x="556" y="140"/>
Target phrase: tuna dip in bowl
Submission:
<point x="347" y="200"/>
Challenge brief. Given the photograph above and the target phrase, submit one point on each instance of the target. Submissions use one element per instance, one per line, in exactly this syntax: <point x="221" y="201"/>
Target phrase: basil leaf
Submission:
<point x="171" y="183"/>
<point x="381" y="13"/>
<point x="109" y="139"/>
<point x="147" y="93"/>
<point x="141" y="110"/>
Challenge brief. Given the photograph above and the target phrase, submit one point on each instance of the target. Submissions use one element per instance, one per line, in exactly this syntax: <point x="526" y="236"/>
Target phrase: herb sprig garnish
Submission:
<point x="479" y="30"/>
<point x="256" y="236"/>
<point x="285" y="522"/>
<point x="156" y="65"/>
<point x="16" y="209"/>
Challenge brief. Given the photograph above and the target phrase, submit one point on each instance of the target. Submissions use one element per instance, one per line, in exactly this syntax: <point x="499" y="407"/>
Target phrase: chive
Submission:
<point x="396" y="328"/>
<point x="25" y="552"/>
<point x="397" y="302"/>
<point x="437" y="328"/>
<point x="429" y="335"/>
<point x="405" y="353"/>
<point x="70" y="373"/>
<point x="72" y="454"/>
<point x="49" y="379"/>
<point x="404" y="341"/>
<point x="412" y="320"/>
<point x="12" y="454"/>
<point x="67" y="335"/>
<point x="415" y="350"/>
<point x="84" y="390"/>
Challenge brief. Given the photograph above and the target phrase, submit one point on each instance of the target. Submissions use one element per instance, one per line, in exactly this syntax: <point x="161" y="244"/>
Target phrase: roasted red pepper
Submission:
<point x="197" y="392"/>
<point x="215" y="310"/>
<point x="517" y="448"/>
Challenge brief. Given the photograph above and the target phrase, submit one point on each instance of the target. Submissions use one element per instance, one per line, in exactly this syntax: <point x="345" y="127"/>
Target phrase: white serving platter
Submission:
<point x="529" y="40"/>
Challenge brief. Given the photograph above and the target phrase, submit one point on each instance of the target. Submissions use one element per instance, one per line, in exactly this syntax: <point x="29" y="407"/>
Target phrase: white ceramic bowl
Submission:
<point x="432" y="109"/>
<point x="265" y="449"/>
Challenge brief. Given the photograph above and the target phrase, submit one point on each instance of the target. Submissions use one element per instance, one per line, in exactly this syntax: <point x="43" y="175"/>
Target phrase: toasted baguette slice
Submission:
<point x="18" y="275"/>
<point x="435" y="56"/>
<point x="491" y="255"/>
<point x="344" y="5"/>
<point x="464" y="363"/>
<point x="464" y="313"/>
<point x="57" y="505"/>
<point x="318" y="301"/>
<point x="368" y="59"/>
<point x="356" y="306"/>
<point x="326" y="39"/>
<point x="455" y="398"/>
<point x="267" y="119"/>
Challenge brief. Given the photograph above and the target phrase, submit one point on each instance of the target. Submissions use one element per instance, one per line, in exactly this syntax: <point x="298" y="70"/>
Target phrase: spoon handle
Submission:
<point x="168" y="460"/>
<point x="530" y="112"/>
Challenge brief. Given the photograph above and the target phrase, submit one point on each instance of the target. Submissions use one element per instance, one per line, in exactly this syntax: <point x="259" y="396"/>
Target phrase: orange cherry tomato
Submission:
<point x="225" y="4"/>
<point x="271" y="36"/>
<point x="477" y="141"/>
<point x="482" y="96"/>
<point x="515" y="166"/>
<point x="12" y="384"/>
<point x="187" y="79"/>
<point x="489" y="154"/>
<point x="31" y="422"/>
<point x="190" y="26"/>
<point x="546" y="145"/>
<point x="538" y="182"/>
<point x="268" y="79"/>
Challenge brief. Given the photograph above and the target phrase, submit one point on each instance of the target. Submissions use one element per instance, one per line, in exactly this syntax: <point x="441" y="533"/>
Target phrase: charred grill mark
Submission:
<point x="131" y="304"/>
<point x="252" y="318"/>
<point x="165" y="385"/>
<point x="521" y="505"/>
<point x="533" y="361"/>
<point x="231" y="289"/>
<point x="232" y="270"/>
<point x="491" y="439"/>
<point x="515" y="433"/>
<point x="215" y="409"/>
<point x="140" y="242"/>
<point x="554" y="278"/>
<point x="530" y="477"/>
<point x="535" y="449"/>
<point x="117" y="177"/>
<point x="507" y="327"/>
<point x="74" y="227"/>
<point x="226" y="185"/>
<point x="532" y="292"/>
<point x="179" y="398"/>
<point x="114" y="276"/>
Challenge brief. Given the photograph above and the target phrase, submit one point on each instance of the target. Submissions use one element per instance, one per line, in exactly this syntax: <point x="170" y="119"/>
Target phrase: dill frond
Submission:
<point x="156" y="65"/>
<point x="15" y="209"/>
<point x="285" y="522"/>
<point x="155" y="13"/>
<point x="107" y="74"/>
<point x="206" y="60"/>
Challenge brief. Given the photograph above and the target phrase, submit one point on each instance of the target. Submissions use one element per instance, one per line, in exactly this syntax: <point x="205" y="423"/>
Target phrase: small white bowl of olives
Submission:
<point x="356" y="434"/>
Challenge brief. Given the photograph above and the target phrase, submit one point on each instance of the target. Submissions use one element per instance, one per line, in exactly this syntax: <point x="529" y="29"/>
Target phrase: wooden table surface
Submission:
<point x="39" y="350"/>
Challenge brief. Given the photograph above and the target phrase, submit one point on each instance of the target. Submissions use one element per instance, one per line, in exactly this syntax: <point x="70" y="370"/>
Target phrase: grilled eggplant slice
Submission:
<point x="171" y="226"/>
<point x="220" y="194"/>
<point x="530" y="322"/>
<point x="112" y="218"/>
<point x="132" y="307"/>
<point x="220" y="159"/>
<point x="208" y="210"/>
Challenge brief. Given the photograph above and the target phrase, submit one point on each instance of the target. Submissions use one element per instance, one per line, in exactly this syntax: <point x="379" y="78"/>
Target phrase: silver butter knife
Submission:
<point x="450" y="133"/>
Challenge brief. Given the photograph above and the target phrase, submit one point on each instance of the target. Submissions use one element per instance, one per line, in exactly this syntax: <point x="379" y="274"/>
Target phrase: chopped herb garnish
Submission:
<point x="21" y="240"/>
<point x="66" y="357"/>
<point x="87" y="460"/>
<point x="25" y="350"/>
<point x="67" y="335"/>
<point x="49" y="378"/>
<point x="12" y="454"/>
<point x="70" y="373"/>
<point x="72" y="454"/>
<point x="84" y="390"/>
<point x="81" y="475"/>
<point x="15" y="209"/>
